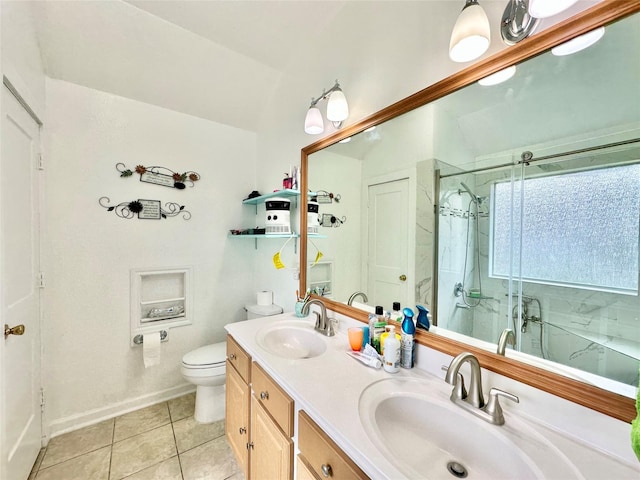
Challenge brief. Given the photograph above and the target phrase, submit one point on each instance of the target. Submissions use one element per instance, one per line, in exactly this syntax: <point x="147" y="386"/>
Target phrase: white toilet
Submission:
<point x="205" y="367"/>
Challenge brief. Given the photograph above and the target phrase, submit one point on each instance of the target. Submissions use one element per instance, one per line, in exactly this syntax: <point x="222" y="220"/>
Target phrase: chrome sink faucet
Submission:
<point x="507" y="336"/>
<point x="474" y="400"/>
<point x="324" y="324"/>
<point x="357" y="294"/>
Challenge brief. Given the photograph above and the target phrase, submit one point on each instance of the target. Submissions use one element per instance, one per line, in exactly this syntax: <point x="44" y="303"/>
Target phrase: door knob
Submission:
<point x="17" y="330"/>
<point x="403" y="278"/>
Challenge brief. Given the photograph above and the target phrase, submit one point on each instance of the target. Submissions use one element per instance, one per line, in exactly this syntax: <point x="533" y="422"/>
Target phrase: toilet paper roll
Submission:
<point x="151" y="349"/>
<point x="265" y="297"/>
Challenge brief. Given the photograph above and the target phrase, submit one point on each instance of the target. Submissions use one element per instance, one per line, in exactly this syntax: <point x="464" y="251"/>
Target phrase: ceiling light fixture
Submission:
<point x="471" y="34"/>
<point x="498" y="77"/>
<point x="548" y="8"/>
<point x="337" y="110"/>
<point x="579" y="43"/>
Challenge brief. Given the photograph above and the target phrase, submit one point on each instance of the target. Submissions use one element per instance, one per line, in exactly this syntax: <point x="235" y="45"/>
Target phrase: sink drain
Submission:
<point x="457" y="469"/>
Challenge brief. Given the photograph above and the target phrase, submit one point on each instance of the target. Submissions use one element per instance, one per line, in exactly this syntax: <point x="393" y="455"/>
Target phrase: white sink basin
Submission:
<point x="425" y="435"/>
<point x="294" y="339"/>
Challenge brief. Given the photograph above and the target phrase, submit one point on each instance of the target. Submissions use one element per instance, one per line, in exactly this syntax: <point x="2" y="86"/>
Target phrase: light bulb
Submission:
<point x="313" y="123"/>
<point x="471" y="34"/>
<point x="498" y="77"/>
<point x="548" y="8"/>
<point x="579" y="43"/>
<point x="337" y="107"/>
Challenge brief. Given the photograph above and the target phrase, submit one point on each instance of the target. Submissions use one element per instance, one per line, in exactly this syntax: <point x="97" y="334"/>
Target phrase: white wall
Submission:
<point x="90" y="370"/>
<point x="21" y="62"/>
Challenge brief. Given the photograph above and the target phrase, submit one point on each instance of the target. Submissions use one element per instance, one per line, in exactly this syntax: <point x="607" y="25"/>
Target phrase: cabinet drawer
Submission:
<point x="274" y="400"/>
<point x="239" y="359"/>
<point x="320" y="451"/>
<point x="303" y="472"/>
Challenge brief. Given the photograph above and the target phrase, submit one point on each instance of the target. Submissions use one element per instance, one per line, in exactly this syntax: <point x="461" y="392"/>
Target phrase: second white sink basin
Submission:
<point x="293" y="339"/>
<point x="425" y="435"/>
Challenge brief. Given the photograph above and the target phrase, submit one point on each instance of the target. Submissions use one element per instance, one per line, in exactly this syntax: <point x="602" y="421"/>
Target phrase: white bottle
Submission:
<point x="391" y="359"/>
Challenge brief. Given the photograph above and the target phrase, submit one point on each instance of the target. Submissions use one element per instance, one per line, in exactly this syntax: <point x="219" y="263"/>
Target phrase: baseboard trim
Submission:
<point x="91" y="417"/>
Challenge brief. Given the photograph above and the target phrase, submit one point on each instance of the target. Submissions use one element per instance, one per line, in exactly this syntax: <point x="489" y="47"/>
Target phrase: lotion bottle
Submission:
<point x="391" y="358"/>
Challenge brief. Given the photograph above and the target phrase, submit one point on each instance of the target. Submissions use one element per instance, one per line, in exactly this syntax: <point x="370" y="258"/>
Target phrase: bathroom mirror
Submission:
<point x="404" y="159"/>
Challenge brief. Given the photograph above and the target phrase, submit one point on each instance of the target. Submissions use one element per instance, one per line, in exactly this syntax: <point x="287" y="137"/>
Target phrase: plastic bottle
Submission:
<point x="378" y="328"/>
<point x="423" y="318"/>
<point x="387" y="333"/>
<point x="396" y="314"/>
<point x="391" y="359"/>
<point x="407" y="339"/>
<point x="372" y="324"/>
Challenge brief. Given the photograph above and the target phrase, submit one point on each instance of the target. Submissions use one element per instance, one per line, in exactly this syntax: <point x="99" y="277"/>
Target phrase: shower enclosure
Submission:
<point x="548" y="248"/>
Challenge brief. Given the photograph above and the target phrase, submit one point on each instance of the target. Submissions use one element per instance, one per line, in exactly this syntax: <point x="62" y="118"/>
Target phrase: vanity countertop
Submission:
<point x="328" y="388"/>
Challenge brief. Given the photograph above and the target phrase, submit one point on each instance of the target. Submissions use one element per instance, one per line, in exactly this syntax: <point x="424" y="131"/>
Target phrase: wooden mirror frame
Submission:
<point x="603" y="401"/>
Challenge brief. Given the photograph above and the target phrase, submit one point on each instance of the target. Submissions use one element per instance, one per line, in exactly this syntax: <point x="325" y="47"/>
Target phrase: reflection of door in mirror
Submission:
<point x="387" y="234"/>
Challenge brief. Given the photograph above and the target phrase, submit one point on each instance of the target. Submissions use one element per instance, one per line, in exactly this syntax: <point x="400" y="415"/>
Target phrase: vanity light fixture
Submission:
<point x="337" y="110"/>
<point x="517" y="22"/>
<point x="579" y="43"/>
<point x="498" y="77"/>
<point x="548" y="8"/>
<point x="471" y="34"/>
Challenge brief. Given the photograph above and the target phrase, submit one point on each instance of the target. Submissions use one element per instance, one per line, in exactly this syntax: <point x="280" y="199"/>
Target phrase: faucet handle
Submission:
<point x="459" y="391"/>
<point x="493" y="407"/>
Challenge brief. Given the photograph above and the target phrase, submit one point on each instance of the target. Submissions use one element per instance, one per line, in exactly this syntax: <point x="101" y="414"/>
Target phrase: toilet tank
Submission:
<point x="257" y="311"/>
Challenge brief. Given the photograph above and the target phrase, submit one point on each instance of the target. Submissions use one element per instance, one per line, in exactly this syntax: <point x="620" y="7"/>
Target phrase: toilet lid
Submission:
<point x="207" y="355"/>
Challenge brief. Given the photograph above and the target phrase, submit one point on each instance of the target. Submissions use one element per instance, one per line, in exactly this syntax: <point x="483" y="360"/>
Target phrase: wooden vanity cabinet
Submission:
<point x="272" y="411"/>
<point x="237" y="398"/>
<point x="259" y="418"/>
<point x="320" y="456"/>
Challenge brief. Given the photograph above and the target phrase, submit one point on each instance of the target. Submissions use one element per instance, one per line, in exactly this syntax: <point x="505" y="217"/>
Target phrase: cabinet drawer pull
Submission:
<point x="326" y="470"/>
<point x="250" y="446"/>
<point x="232" y="356"/>
<point x="243" y="430"/>
<point x="264" y="395"/>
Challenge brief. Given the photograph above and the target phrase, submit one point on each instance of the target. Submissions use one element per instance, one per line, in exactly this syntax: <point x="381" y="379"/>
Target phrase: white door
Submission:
<point x="19" y="292"/>
<point x="387" y="240"/>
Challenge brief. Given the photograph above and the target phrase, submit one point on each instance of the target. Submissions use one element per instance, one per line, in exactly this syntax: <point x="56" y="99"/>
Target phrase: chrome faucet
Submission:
<point x="507" y="336"/>
<point x="324" y="324"/>
<point x="474" y="400"/>
<point x="356" y="294"/>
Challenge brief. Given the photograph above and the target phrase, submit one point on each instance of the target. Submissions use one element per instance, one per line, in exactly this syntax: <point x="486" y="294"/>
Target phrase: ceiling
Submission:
<point x="225" y="60"/>
<point x="232" y="61"/>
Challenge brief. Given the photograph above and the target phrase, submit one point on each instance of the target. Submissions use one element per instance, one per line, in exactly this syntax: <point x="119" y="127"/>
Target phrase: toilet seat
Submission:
<point x="209" y="356"/>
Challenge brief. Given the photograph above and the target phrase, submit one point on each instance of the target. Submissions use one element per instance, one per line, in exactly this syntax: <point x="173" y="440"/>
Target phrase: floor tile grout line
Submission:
<point x="175" y="439"/>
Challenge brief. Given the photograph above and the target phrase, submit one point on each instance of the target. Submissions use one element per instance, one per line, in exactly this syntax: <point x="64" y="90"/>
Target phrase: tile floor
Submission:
<point x="160" y="442"/>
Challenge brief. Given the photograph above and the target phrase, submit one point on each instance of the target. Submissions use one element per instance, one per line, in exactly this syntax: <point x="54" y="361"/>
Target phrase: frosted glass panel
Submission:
<point x="578" y="229"/>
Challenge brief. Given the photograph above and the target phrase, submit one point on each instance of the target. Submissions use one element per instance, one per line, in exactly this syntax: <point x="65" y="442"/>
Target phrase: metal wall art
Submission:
<point x="154" y="175"/>
<point x="329" y="220"/>
<point x="322" y="196"/>
<point x="145" y="209"/>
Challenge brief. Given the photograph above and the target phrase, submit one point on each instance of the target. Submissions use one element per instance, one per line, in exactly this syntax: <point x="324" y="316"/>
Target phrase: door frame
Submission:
<point x="39" y="201"/>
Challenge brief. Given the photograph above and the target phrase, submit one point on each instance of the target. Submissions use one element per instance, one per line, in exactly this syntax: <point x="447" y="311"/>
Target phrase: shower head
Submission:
<point x="474" y="197"/>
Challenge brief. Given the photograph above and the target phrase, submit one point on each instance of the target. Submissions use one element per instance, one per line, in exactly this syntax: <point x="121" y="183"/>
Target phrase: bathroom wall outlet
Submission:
<point x="296" y="274"/>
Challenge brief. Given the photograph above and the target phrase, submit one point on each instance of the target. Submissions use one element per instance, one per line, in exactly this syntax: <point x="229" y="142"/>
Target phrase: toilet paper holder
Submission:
<point x="139" y="339"/>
